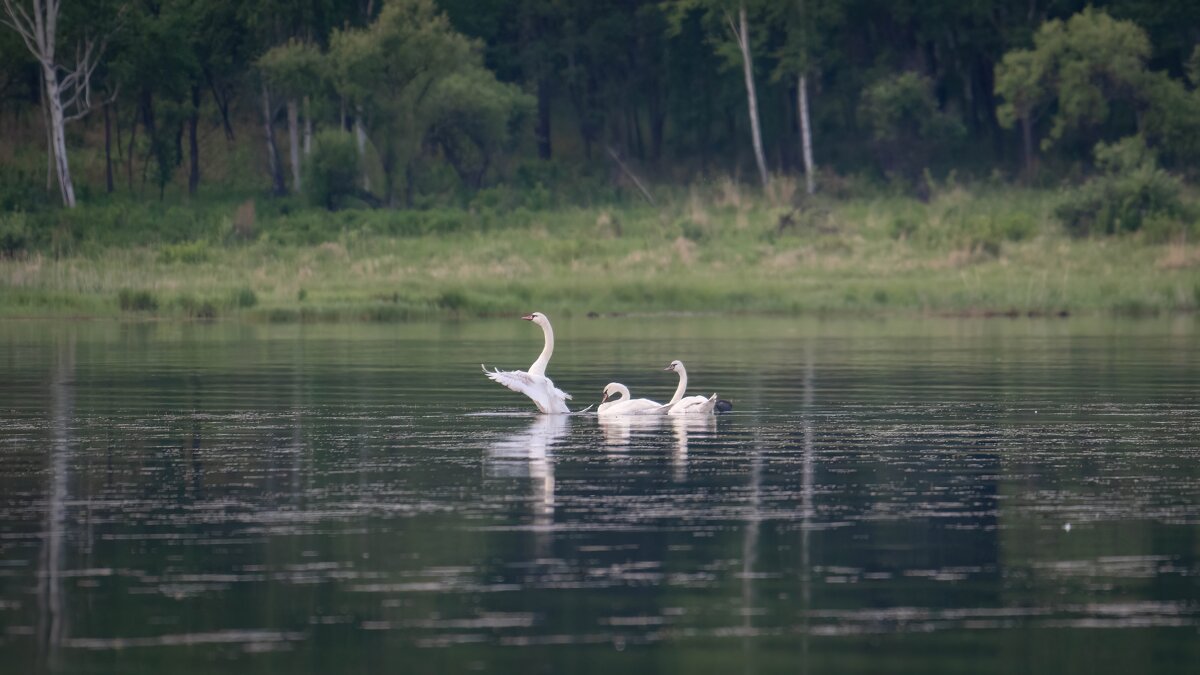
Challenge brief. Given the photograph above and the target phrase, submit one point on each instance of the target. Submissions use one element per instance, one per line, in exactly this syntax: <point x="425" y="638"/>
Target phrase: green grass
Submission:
<point x="714" y="250"/>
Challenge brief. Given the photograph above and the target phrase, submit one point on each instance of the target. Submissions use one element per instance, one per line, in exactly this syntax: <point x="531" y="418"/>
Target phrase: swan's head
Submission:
<point x="614" y="390"/>
<point x="675" y="366"/>
<point x="537" y="317"/>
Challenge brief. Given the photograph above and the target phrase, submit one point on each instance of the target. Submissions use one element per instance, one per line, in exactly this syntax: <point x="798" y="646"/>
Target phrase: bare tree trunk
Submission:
<point x="293" y="118"/>
<point x="1027" y="145"/>
<point x="806" y="137"/>
<point x="543" y="119"/>
<point x="742" y="33"/>
<point x="129" y="155"/>
<point x="108" y="170"/>
<point x="308" y="129"/>
<point x="58" y="135"/>
<point x="360" y="135"/>
<point x="194" y="143"/>
<point x="49" y="140"/>
<point x="277" y="185"/>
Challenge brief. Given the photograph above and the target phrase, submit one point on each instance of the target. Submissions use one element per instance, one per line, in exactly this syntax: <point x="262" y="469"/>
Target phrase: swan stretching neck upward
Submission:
<point x="535" y="384"/>
<point x="681" y="405"/>
<point x="623" y="405"/>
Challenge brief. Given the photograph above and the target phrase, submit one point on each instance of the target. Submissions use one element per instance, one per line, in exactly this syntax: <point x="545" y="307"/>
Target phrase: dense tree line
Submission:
<point x="379" y="100"/>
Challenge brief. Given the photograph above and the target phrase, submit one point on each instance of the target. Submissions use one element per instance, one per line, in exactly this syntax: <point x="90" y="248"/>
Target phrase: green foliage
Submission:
<point x="189" y="252"/>
<point x="243" y="298"/>
<point x="331" y="169"/>
<point x="295" y="68"/>
<point x="1130" y="192"/>
<point x="1077" y="69"/>
<point x="137" y="301"/>
<point x="1172" y="121"/>
<point x="472" y="118"/>
<point x="15" y="234"/>
<point x="906" y="123"/>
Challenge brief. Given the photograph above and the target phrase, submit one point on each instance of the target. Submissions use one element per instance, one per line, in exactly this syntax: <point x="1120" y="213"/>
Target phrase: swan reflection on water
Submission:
<point x="700" y="426"/>
<point x="619" y="430"/>
<point x="527" y="454"/>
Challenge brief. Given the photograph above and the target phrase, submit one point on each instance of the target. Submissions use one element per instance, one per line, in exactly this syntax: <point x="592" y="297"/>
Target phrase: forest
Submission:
<point x="198" y="122"/>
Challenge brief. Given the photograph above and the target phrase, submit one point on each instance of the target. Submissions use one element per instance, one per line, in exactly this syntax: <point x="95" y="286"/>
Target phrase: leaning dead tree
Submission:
<point x="66" y="87"/>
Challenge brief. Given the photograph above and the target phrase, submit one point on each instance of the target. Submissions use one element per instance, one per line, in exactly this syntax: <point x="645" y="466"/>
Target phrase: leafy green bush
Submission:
<point x="136" y="301"/>
<point x="331" y="171"/>
<point x="1130" y="190"/>
<point x="244" y="298"/>
<point x="15" y="235"/>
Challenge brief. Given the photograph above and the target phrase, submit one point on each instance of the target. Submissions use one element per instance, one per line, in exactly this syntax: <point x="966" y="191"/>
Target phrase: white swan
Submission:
<point x="689" y="405"/>
<point x="623" y="405"/>
<point x="535" y="384"/>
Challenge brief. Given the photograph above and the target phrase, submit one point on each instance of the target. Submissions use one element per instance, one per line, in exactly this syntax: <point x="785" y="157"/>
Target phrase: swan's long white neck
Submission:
<point x="623" y="391"/>
<point x="543" y="360"/>
<point x="682" y="385"/>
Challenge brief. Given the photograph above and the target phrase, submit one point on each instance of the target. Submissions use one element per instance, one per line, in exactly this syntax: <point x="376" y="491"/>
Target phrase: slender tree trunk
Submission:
<point x="1027" y="145"/>
<point x="108" y="169"/>
<point x="360" y="134"/>
<point x="308" y="129"/>
<point x="49" y="139"/>
<point x="806" y="137"/>
<point x="194" y="143"/>
<point x="222" y="106"/>
<point x="742" y="33"/>
<point x="543" y="118"/>
<point x="129" y="154"/>
<point x="277" y="185"/>
<point x="58" y="135"/>
<point x="293" y="118"/>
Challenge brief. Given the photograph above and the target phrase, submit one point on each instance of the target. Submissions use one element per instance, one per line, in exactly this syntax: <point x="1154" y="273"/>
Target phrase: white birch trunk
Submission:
<point x="308" y="129"/>
<point x="269" y="129"/>
<point x="742" y="33"/>
<point x="806" y="137"/>
<point x="360" y="134"/>
<point x="58" y="135"/>
<point x="293" y="118"/>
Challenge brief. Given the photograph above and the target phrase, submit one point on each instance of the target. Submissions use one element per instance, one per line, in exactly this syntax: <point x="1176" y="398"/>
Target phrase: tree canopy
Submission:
<point x="450" y="96"/>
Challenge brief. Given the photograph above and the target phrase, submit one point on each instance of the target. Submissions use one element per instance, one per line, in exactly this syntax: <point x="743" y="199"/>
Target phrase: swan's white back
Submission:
<point x="626" y="405"/>
<point x="688" y="405"/>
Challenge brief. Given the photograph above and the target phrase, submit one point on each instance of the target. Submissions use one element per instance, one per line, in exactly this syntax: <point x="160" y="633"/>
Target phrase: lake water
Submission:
<point x="901" y="496"/>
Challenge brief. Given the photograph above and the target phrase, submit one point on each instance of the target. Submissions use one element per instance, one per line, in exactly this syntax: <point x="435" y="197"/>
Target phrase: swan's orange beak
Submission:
<point x="528" y="317"/>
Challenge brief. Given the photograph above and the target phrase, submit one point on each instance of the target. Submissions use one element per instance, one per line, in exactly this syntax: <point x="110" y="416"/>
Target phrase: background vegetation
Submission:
<point x="398" y="157"/>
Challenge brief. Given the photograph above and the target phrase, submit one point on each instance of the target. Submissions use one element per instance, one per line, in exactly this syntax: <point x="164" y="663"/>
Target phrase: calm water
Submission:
<point x="903" y="497"/>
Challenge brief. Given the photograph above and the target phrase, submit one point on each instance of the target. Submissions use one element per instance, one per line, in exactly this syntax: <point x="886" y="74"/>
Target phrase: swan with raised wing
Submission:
<point x="688" y="405"/>
<point x="616" y="401"/>
<point x="534" y="383"/>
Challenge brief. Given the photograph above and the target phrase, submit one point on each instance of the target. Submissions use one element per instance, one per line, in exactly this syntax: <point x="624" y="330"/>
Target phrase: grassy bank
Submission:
<point x="716" y="250"/>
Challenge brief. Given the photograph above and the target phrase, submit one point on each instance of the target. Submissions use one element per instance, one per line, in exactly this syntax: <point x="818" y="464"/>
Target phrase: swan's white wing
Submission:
<point x="547" y="397"/>
<point x="690" y="405"/>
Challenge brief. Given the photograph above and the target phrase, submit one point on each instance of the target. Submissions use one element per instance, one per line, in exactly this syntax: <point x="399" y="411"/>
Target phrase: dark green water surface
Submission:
<point x="937" y="496"/>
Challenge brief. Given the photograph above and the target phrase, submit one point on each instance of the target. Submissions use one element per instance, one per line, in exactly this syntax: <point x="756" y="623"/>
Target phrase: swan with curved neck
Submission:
<point x="617" y="401"/>
<point x="687" y="405"/>
<point x="534" y="383"/>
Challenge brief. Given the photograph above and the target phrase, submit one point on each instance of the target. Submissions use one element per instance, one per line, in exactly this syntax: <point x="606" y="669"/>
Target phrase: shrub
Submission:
<point x="243" y="298"/>
<point x="331" y="171"/>
<point x="136" y="301"/>
<point x="1131" y="190"/>
<point x="15" y="234"/>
